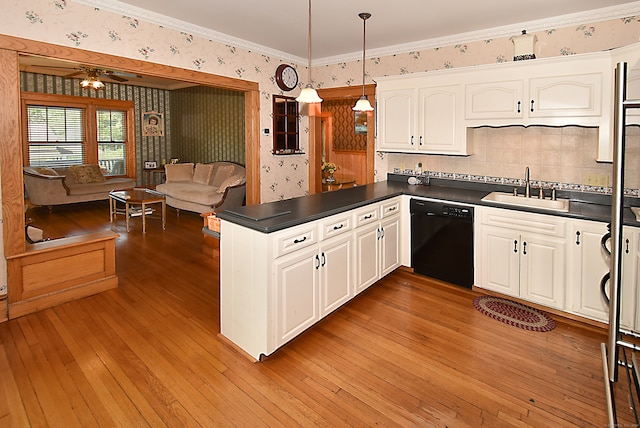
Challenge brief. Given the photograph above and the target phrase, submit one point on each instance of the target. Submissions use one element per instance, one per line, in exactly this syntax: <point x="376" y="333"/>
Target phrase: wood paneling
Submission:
<point x="57" y="271"/>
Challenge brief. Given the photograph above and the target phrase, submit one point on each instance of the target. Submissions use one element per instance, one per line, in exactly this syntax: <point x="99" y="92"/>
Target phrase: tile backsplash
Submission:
<point x="560" y="157"/>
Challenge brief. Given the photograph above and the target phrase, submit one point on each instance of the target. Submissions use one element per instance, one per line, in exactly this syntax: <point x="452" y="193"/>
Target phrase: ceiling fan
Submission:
<point x="118" y="76"/>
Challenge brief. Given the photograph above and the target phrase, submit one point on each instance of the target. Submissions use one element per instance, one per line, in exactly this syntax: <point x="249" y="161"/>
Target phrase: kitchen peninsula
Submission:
<point x="285" y="265"/>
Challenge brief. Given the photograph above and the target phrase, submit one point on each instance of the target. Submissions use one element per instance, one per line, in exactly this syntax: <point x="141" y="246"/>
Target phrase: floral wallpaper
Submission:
<point x="68" y="23"/>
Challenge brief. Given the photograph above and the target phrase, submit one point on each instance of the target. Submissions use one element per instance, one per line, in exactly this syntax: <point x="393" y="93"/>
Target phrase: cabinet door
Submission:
<point x="367" y="256"/>
<point x="542" y="270"/>
<point x="396" y="119"/>
<point x="336" y="277"/>
<point x="441" y="127"/>
<point x="296" y="283"/>
<point x="499" y="260"/>
<point x="495" y="100"/>
<point x="587" y="266"/>
<point x="389" y="245"/>
<point x="565" y="96"/>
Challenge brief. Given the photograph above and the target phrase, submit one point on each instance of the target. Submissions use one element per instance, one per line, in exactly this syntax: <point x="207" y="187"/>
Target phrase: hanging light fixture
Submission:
<point x="363" y="103"/>
<point x="309" y="95"/>
<point x="92" y="81"/>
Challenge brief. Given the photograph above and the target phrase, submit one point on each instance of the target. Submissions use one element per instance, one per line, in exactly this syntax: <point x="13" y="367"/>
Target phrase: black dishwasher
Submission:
<point x="442" y="241"/>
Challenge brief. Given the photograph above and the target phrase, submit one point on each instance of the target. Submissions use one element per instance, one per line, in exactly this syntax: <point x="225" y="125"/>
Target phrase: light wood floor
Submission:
<point x="407" y="352"/>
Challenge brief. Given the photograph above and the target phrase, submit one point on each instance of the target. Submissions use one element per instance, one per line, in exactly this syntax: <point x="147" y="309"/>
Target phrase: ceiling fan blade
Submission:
<point x="74" y="74"/>
<point x="112" y="76"/>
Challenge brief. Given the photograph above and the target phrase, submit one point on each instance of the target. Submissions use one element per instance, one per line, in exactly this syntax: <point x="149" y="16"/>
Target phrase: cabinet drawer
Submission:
<point x="366" y="215"/>
<point x="523" y="221"/>
<point x="295" y="238"/>
<point x="336" y="225"/>
<point x="390" y="208"/>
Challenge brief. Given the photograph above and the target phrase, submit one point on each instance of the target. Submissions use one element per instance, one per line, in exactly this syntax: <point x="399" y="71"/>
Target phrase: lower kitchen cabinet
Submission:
<point x="377" y="242"/>
<point x="521" y="255"/>
<point x="587" y="266"/>
<point x="273" y="286"/>
<point x="297" y="295"/>
<point x="310" y="284"/>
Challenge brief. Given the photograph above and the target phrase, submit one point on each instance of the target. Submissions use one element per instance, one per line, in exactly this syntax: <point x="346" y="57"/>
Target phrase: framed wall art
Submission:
<point x="152" y="124"/>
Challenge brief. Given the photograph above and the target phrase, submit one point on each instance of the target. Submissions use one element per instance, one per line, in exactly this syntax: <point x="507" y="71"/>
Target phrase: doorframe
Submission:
<point x="315" y="132"/>
<point x="11" y="143"/>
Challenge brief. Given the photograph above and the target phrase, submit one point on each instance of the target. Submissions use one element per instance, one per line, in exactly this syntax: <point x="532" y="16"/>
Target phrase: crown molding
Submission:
<point x="120" y="8"/>
<point x="614" y="12"/>
<point x="604" y="14"/>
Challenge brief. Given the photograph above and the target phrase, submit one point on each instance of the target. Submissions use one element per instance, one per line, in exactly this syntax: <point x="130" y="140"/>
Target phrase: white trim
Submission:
<point x="614" y="12"/>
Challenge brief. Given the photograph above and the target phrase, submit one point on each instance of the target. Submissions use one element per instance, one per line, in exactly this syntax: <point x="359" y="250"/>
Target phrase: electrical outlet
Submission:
<point x="599" y="180"/>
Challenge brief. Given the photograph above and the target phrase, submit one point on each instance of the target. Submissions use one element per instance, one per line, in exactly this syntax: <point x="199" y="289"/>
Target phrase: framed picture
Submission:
<point x="150" y="165"/>
<point x="360" y="119"/>
<point x="152" y="124"/>
<point x="175" y="160"/>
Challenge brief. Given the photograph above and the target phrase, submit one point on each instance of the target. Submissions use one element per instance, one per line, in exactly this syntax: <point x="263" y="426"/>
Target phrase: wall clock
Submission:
<point x="286" y="77"/>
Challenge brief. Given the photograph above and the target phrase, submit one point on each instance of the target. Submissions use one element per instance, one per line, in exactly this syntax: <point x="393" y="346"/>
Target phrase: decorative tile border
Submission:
<point x="518" y="182"/>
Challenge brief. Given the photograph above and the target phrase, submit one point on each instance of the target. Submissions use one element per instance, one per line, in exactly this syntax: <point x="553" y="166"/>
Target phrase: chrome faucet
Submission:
<point x="527" y="183"/>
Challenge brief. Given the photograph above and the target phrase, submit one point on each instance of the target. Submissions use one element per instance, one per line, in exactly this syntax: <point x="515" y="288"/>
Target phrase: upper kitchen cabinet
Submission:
<point x="547" y="100"/>
<point x="421" y="115"/>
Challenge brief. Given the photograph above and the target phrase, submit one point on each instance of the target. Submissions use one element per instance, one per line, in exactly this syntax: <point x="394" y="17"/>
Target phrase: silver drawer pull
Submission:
<point x="297" y="241"/>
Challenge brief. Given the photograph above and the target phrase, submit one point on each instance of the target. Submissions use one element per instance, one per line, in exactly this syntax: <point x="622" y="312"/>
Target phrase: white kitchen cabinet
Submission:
<point x="310" y="284"/>
<point x="528" y="100"/>
<point x="495" y="100"/>
<point x="377" y="242"/>
<point x="273" y="286"/>
<point x="421" y="116"/>
<point x="396" y="119"/>
<point x="521" y="254"/>
<point x="335" y="270"/>
<point x="297" y="293"/>
<point x="586" y="267"/>
<point x="440" y="125"/>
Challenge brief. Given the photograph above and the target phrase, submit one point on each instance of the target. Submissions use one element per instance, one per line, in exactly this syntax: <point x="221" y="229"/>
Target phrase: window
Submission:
<point x="55" y="135"/>
<point x="61" y="131"/>
<point x="112" y="131"/>
<point x="285" y="126"/>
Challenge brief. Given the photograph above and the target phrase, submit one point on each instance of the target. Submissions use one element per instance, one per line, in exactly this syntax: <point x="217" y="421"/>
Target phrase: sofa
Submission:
<point x="78" y="183"/>
<point x="204" y="187"/>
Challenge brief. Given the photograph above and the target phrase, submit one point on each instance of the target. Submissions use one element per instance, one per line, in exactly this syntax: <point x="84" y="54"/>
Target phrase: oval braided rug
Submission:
<point x="513" y="313"/>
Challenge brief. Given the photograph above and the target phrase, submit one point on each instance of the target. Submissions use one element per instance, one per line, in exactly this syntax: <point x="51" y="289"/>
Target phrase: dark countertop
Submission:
<point x="274" y="216"/>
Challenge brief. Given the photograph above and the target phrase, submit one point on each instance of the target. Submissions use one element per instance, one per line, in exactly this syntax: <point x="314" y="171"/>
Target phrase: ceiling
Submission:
<point x="280" y="26"/>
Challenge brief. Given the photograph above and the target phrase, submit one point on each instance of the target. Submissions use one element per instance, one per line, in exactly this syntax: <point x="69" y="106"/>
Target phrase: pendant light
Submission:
<point x="363" y="103"/>
<point x="309" y="95"/>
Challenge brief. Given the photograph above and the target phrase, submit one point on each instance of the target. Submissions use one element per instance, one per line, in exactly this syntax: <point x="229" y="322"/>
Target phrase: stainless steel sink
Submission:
<point x="560" y="205"/>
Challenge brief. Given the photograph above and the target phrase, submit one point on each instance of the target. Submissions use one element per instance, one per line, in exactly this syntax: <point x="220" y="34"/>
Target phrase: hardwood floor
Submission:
<point x="407" y="352"/>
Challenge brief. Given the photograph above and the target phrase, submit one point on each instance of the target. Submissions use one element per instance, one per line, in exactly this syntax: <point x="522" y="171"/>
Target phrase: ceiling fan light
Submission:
<point x="363" y="104"/>
<point x="92" y="81"/>
<point x="309" y="96"/>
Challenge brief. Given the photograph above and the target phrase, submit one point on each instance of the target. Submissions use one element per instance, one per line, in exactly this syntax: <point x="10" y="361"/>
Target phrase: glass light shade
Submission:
<point x="363" y="105"/>
<point x="309" y="96"/>
<point x="92" y="82"/>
